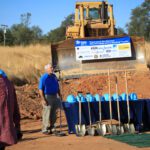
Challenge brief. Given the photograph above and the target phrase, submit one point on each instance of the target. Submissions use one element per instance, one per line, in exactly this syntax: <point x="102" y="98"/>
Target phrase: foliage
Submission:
<point x="25" y="19"/>
<point x="58" y="34"/>
<point x="19" y="34"/>
<point x="9" y="38"/>
<point x="36" y="34"/>
<point x="1" y="37"/>
<point x="140" y="21"/>
<point x="22" y="35"/>
<point x="120" y="31"/>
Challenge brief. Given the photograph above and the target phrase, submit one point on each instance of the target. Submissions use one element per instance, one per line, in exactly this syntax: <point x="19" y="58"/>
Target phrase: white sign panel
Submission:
<point x="103" y="48"/>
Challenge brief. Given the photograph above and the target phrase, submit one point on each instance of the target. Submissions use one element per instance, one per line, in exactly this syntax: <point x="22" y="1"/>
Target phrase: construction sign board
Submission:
<point x="103" y="48"/>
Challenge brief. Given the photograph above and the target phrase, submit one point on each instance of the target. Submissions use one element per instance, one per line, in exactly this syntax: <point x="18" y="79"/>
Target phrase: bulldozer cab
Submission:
<point x="92" y="19"/>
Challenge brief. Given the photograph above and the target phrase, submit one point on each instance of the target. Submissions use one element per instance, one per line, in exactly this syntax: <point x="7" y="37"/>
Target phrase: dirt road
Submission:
<point x="33" y="139"/>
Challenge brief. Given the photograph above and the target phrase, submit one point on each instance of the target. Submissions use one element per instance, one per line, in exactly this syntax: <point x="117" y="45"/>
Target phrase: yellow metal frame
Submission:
<point x="78" y="30"/>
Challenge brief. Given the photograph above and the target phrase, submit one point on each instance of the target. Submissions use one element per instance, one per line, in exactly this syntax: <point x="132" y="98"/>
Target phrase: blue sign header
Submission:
<point x="94" y="42"/>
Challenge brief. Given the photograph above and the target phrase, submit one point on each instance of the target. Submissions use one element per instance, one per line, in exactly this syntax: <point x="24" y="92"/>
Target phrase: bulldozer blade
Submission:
<point x="64" y="52"/>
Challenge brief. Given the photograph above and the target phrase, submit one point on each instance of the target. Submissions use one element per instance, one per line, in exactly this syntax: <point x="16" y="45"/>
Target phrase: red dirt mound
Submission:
<point x="29" y="99"/>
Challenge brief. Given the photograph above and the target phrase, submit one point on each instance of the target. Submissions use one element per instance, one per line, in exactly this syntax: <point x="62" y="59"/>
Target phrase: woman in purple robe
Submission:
<point x="9" y="114"/>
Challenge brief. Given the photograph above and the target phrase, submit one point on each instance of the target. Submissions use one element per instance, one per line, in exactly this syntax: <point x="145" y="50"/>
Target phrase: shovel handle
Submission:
<point x="80" y="111"/>
<point x="110" y="107"/>
<point x="89" y="109"/>
<point x="118" y="107"/>
<point x="128" y="106"/>
<point x="100" y="110"/>
<point x="60" y="94"/>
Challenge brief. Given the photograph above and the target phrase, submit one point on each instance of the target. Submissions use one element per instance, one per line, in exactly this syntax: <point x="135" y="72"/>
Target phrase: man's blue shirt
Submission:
<point x="49" y="84"/>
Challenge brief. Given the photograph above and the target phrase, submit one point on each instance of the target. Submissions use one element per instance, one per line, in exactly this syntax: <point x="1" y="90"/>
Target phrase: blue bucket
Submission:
<point x="106" y="97"/>
<point x="71" y="99"/>
<point x="133" y="97"/>
<point x="114" y="97"/>
<point x="123" y="96"/>
<point x="98" y="97"/>
<point x="89" y="97"/>
<point x="81" y="97"/>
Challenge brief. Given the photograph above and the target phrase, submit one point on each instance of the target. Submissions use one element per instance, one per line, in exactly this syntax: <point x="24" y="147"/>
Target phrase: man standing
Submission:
<point x="49" y="90"/>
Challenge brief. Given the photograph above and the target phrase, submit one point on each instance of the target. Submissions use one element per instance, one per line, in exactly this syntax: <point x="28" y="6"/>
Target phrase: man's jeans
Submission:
<point x="49" y="112"/>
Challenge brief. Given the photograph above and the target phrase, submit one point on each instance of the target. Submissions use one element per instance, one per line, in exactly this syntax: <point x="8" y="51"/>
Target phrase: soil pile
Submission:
<point x="29" y="99"/>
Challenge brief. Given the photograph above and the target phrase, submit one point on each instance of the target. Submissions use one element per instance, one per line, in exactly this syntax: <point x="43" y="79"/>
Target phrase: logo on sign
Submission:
<point x="114" y="46"/>
<point x="83" y="43"/>
<point x="95" y="56"/>
<point x="80" y="56"/>
<point x="78" y="42"/>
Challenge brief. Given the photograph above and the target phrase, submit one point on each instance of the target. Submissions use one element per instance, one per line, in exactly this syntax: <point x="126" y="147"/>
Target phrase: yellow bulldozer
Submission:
<point x="92" y="19"/>
<point x="92" y="43"/>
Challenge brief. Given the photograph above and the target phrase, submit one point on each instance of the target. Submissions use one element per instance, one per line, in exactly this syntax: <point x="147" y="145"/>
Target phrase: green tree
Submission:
<point x="25" y="19"/>
<point x="58" y="34"/>
<point x="139" y="24"/>
<point x="120" y="31"/>
<point x="1" y="37"/>
<point x="69" y="20"/>
<point x="36" y="34"/>
<point x="22" y="35"/>
<point x="9" y="38"/>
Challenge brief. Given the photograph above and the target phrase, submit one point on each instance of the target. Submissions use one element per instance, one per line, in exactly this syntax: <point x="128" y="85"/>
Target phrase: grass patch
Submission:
<point x="138" y="140"/>
<point x="24" y="64"/>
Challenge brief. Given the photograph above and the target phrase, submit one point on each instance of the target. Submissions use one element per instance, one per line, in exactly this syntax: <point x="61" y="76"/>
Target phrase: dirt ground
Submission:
<point x="30" y="108"/>
<point x="33" y="139"/>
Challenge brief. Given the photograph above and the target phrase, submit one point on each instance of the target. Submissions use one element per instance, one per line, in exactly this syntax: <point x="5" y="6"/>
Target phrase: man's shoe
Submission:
<point x="53" y="130"/>
<point x="46" y="132"/>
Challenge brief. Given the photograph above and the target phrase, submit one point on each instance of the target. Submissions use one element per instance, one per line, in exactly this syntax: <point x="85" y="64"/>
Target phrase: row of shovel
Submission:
<point x="102" y="128"/>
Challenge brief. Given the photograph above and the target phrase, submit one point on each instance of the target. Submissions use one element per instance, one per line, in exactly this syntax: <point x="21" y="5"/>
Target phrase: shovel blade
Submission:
<point x="132" y="128"/>
<point x="108" y="128"/>
<point x="120" y="130"/>
<point x="91" y="131"/>
<point x="129" y="128"/>
<point x="126" y="128"/>
<point x="101" y="129"/>
<point x="113" y="129"/>
<point x="80" y="130"/>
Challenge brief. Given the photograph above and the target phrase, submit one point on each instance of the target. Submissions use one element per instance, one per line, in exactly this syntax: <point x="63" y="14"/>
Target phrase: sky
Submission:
<point x="48" y="14"/>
